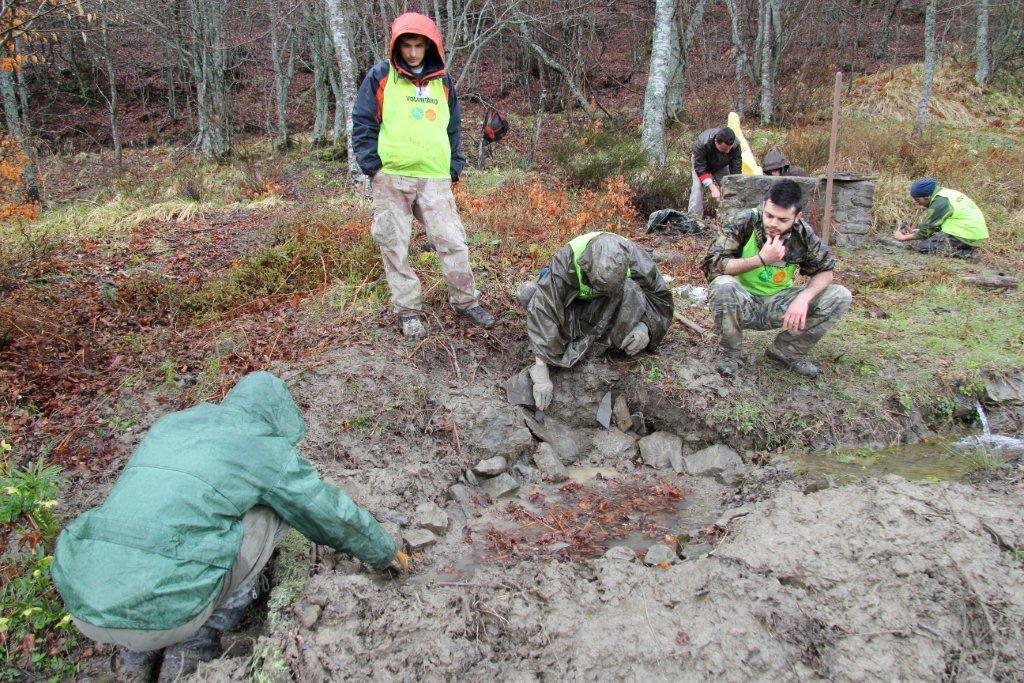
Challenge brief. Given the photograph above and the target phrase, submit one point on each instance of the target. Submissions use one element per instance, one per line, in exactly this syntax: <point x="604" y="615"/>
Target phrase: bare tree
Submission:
<point x="338" y="22"/>
<point x="681" y="45"/>
<point x="742" y="60"/>
<point x="981" y="55"/>
<point x="284" y="71"/>
<point x="930" y="49"/>
<point x="767" y="60"/>
<point x="653" y="135"/>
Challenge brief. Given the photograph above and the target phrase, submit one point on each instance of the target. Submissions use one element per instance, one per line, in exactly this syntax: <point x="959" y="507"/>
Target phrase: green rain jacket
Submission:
<point x="156" y="552"/>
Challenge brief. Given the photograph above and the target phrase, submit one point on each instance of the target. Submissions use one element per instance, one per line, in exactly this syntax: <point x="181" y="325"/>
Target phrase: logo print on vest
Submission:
<point x="431" y="115"/>
<point x="417" y="113"/>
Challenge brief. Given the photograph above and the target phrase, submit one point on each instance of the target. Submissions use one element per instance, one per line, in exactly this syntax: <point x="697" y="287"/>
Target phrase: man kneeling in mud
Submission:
<point x="750" y="267"/>
<point x="599" y="291"/>
<point x="172" y="556"/>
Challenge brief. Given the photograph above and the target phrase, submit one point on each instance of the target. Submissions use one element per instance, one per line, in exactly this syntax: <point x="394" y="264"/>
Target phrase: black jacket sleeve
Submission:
<point x="365" y="126"/>
<point x="735" y="161"/>
<point x="455" y="130"/>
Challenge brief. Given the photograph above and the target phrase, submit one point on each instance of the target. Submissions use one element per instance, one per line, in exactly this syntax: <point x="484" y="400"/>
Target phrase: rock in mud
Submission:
<point x="464" y="497"/>
<point x="307" y="614"/>
<point x="718" y="461"/>
<point x="491" y="467"/>
<point x="430" y="517"/>
<point x="604" y="411"/>
<point x="658" y="449"/>
<point x="620" y="552"/>
<point x="696" y="551"/>
<point x="418" y="539"/>
<point x="519" y="389"/>
<point x="550" y="466"/>
<point x="1006" y="389"/>
<point x="613" y="446"/>
<point x="561" y="437"/>
<point x="620" y="412"/>
<point x="659" y="553"/>
<point x="470" y="478"/>
<point x="488" y="429"/>
<point x="501" y="485"/>
<point x="526" y="474"/>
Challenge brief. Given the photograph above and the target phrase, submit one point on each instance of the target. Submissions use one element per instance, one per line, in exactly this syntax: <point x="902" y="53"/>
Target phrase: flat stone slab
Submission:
<point x="620" y="552"/>
<point x="501" y="485"/>
<point x="718" y="461"/>
<point x="417" y="539"/>
<point x="613" y="446"/>
<point x="429" y="516"/>
<point x="561" y="437"/>
<point x="519" y="389"/>
<point x="491" y="467"/>
<point x="620" y="413"/>
<point x="549" y="464"/>
<point x="658" y="449"/>
<point x="659" y="553"/>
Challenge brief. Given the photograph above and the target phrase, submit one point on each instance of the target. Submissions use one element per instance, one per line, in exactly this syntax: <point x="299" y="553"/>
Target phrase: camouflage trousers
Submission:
<point x="396" y="201"/>
<point x="735" y="309"/>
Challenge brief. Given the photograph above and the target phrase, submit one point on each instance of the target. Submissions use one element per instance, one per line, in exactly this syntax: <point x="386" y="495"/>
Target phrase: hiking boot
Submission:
<point x="479" y="316"/>
<point x="800" y="366"/>
<point x="412" y="327"/>
<point x="135" y="667"/>
<point x="525" y="293"/>
<point x="728" y="365"/>
<point x="182" y="659"/>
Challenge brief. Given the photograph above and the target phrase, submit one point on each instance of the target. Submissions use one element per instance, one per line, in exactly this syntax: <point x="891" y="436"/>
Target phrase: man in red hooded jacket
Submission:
<point x="405" y="134"/>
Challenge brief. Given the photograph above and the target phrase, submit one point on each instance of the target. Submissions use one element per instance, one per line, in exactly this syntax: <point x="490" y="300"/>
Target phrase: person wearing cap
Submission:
<point x="750" y="269"/>
<point x="405" y="134"/>
<point x="600" y="291"/>
<point x="775" y="163"/>
<point x="716" y="154"/>
<point x="952" y="226"/>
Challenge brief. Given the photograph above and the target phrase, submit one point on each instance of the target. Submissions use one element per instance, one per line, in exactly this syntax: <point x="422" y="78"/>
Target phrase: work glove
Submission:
<point x="637" y="340"/>
<point x="400" y="562"/>
<point x="543" y="389"/>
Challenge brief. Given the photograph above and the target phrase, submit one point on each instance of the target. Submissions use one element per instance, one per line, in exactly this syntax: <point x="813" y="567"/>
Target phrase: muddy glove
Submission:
<point x="400" y="562"/>
<point x="543" y="389"/>
<point x="637" y="340"/>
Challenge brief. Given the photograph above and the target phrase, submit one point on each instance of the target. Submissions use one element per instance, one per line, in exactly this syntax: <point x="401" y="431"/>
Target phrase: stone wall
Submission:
<point x="852" y="197"/>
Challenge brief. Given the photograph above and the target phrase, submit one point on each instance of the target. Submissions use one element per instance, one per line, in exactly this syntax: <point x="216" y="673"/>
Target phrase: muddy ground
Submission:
<point x="773" y="576"/>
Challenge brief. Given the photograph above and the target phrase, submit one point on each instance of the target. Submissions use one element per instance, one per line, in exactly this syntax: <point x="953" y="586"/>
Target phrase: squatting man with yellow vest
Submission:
<point x="172" y="556"/>
<point x="405" y="134"/>
<point x="953" y="224"/>
<point x="750" y="268"/>
<point x="599" y="291"/>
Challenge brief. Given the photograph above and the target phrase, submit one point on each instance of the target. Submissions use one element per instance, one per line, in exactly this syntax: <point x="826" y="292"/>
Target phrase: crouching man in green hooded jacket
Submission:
<point x="599" y="291"/>
<point x="172" y="556"/>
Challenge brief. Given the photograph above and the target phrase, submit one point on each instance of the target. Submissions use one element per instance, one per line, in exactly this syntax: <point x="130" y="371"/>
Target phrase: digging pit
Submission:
<point x="619" y="569"/>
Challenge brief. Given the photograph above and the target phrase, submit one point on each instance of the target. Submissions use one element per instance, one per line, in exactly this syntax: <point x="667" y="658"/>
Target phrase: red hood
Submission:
<point x="421" y="25"/>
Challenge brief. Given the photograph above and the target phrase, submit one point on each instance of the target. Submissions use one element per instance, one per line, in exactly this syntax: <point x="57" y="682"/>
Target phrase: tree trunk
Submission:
<point x="13" y="118"/>
<point x="681" y="45"/>
<point x="209" y="59"/>
<point x="741" y="56"/>
<point x="981" y="69"/>
<point x="112" y="105"/>
<point x="338" y="23"/>
<point x="767" y="75"/>
<point x="321" y="61"/>
<point x="570" y="82"/>
<point x="282" y="73"/>
<point x="930" y="10"/>
<point x="653" y="135"/>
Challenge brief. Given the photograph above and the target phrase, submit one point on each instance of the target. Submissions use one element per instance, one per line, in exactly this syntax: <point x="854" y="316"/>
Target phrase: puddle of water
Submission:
<point x="927" y="461"/>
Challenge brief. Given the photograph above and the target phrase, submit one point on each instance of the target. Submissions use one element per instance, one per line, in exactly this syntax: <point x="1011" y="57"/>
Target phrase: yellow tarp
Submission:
<point x="750" y="165"/>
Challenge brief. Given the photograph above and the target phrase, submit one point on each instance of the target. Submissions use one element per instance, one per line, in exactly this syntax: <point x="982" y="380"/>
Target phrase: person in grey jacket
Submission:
<point x="716" y="154"/>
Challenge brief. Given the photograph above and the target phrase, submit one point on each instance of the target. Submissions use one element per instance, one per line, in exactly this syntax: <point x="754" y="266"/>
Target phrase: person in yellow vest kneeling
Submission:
<point x="600" y="291"/>
<point x="953" y="224"/>
<point x="750" y="267"/>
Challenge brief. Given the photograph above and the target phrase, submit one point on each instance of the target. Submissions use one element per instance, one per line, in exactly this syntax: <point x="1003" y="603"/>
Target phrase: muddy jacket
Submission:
<point x="563" y="327"/>
<point x="775" y="160"/>
<point x="953" y="213"/>
<point x="368" y="111"/>
<point x="803" y="248"/>
<point x="156" y="552"/>
<point x="707" y="160"/>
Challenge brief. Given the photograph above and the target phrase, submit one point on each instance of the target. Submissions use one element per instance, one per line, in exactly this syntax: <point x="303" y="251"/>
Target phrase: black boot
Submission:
<point x="183" y="658"/>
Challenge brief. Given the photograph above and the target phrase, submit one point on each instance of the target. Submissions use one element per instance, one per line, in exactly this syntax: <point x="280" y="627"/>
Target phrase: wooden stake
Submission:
<point x="826" y="219"/>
